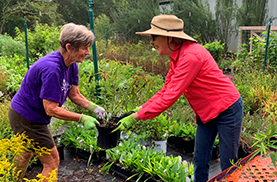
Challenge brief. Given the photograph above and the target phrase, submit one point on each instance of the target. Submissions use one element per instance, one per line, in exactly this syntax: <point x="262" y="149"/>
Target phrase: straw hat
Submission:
<point x="167" y="25"/>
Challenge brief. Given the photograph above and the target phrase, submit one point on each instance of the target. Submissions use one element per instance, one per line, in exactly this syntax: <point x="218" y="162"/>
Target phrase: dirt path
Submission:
<point x="72" y="169"/>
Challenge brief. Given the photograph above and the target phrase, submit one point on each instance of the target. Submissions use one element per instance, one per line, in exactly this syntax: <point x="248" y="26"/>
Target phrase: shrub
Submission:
<point x="11" y="47"/>
<point x="15" y="68"/>
<point x="43" y="40"/>
<point x="216" y="49"/>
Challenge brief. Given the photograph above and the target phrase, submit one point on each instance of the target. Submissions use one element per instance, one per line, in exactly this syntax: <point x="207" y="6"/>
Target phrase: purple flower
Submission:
<point x="268" y="66"/>
<point x="231" y="77"/>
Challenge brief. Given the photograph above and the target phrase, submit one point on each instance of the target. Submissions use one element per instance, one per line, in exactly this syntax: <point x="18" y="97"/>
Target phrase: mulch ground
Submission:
<point x="72" y="169"/>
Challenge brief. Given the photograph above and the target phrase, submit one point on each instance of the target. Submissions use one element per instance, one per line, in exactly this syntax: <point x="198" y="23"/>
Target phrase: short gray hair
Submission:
<point x="76" y="36"/>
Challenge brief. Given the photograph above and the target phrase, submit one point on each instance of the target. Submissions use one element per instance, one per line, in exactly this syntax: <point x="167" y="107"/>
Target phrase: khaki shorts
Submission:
<point x="39" y="133"/>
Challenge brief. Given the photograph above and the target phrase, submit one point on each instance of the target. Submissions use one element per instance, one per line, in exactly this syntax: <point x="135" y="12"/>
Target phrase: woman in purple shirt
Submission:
<point x="44" y="89"/>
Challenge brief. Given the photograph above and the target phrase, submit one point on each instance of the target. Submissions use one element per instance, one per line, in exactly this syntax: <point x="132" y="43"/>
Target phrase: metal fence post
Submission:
<point x="267" y="40"/>
<point x="90" y="12"/>
<point x="26" y="43"/>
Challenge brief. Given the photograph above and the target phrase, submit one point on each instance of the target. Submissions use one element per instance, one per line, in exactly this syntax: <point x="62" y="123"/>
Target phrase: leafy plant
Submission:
<point x="154" y="129"/>
<point x="10" y="47"/>
<point x="264" y="141"/>
<point x="79" y="137"/>
<point x="16" y="70"/>
<point x="141" y="160"/>
<point x="115" y="81"/>
<point x="42" y="40"/>
<point x="184" y="130"/>
<point x="5" y="128"/>
<point x="270" y="109"/>
<point x="216" y="49"/>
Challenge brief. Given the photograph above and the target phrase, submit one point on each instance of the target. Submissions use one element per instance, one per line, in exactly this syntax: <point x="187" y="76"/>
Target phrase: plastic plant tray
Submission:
<point x="255" y="169"/>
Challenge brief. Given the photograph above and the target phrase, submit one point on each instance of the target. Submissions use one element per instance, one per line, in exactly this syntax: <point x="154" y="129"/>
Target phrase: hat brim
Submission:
<point x="177" y="34"/>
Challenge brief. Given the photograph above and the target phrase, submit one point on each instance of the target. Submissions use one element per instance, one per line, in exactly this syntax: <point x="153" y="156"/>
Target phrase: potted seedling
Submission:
<point x="106" y="137"/>
<point x="156" y="130"/>
<point x="82" y="142"/>
<point x="188" y="137"/>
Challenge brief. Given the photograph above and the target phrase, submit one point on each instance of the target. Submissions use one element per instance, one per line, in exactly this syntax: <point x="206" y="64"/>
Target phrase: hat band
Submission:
<point x="168" y="30"/>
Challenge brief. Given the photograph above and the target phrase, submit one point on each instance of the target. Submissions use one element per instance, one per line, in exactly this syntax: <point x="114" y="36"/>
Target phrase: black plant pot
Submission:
<point x="171" y="140"/>
<point x="61" y="151"/>
<point x="106" y="139"/>
<point x="188" y="145"/>
<point x="179" y="144"/>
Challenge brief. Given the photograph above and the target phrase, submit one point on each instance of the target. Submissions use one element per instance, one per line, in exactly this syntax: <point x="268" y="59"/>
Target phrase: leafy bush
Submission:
<point x="43" y="40"/>
<point x="254" y="60"/>
<point x="102" y="22"/>
<point x="156" y="129"/>
<point x="11" y="47"/>
<point x="16" y="69"/>
<point x="216" y="49"/>
<point x="5" y="128"/>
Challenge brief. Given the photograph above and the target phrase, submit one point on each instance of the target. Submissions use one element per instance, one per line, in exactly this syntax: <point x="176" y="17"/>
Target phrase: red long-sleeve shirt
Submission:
<point x="194" y="73"/>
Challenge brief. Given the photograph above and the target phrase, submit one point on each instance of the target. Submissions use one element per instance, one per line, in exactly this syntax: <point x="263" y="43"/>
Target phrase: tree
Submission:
<point x="255" y="11"/>
<point x="10" y="8"/>
<point x="226" y="11"/>
<point x="198" y="19"/>
<point x="133" y="16"/>
<point x="13" y="12"/>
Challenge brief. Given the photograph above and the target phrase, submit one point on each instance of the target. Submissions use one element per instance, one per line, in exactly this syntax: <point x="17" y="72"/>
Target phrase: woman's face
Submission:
<point x="80" y="54"/>
<point x="160" y="43"/>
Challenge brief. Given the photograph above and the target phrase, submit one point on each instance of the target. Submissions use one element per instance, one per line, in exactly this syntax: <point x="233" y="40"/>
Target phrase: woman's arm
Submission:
<point x="52" y="109"/>
<point x="77" y="98"/>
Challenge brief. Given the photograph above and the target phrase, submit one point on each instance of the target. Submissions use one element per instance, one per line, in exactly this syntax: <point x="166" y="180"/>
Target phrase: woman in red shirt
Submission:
<point x="212" y="95"/>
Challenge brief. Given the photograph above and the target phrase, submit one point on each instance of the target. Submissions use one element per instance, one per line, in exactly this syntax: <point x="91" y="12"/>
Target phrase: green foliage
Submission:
<point x="3" y="81"/>
<point x="5" y="128"/>
<point x="12" y="13"/>
<point x="102" y="22"/>
<point x="226" y="11"/>
<point x="254" y="87"/>
<point x="142" y="160"/>
<point x="200" y="24"/>
<point x="10" y="46"/>
<point x="156" y="129"/>
<point x="79" y="137"/>
<point x="216" y="49"/>
<point x="16" y="69"/>
<point x="43" y="40"/>
<point x="184" y="130"/>
<point x="115" y="81"/>
<point x="254" y="60"/>
<point x="139" y="55"/>
<point x="264" y="141"/>
<point x="133" y="16"/>
<point x="252" y="13"/>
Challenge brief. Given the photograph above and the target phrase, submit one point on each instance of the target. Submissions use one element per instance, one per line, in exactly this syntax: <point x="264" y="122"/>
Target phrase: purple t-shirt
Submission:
<point x="48" y="78"/>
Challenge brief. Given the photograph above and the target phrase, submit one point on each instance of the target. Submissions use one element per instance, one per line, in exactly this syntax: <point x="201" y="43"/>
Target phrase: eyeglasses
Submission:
<point x="154" y="37"/>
